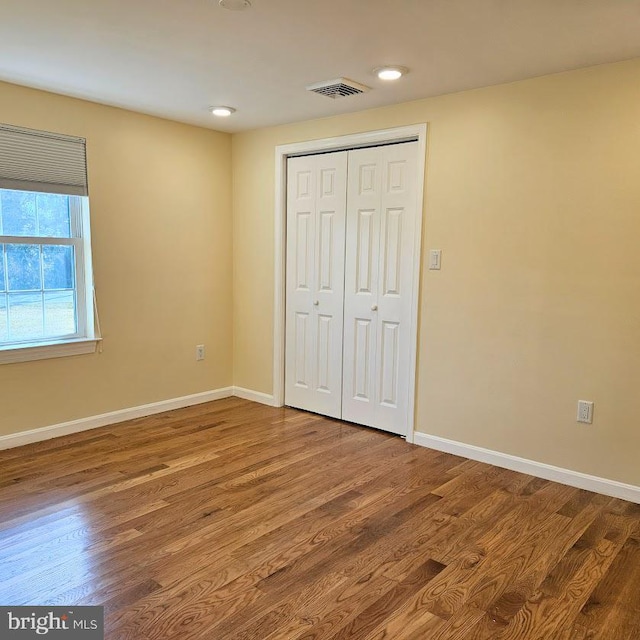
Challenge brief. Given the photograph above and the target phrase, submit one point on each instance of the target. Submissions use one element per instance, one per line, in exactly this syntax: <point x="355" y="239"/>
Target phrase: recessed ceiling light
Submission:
<point x="234" y="5"/>
<point x="390" y="72"/>
<point x="222" y="112"/>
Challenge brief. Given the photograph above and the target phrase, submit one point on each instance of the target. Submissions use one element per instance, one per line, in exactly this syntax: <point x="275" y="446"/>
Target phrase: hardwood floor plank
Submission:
<point x="385" y="606"/>
<point x="245" y="522"/>
<point x="551" y="612"/>
<point x="613" y="607"/>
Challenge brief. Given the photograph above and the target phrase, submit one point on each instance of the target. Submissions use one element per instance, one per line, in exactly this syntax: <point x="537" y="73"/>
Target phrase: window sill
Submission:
<point x="45" y="350"/>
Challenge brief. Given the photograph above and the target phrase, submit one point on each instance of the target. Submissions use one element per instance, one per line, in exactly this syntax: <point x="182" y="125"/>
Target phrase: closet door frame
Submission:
<point x="418" y="133"/>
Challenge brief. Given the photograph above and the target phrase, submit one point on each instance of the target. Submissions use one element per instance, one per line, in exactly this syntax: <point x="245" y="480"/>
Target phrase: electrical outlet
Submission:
<point x="585" y="411"/>
<point x="200" y="352"/>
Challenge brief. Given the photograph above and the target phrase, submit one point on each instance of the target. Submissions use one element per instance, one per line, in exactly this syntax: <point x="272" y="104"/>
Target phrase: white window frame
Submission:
<point x="84" y="340"/>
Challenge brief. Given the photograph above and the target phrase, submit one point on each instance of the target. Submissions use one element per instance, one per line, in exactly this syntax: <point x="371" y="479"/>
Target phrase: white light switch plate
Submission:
<point x="435" y="259"/>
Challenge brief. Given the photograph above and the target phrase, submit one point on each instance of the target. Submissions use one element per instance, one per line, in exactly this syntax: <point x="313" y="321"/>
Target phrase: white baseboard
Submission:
<point x="548" y="472"/>
<point x="531" y="467"/>
<point x="254" y="396"/>
<point x="113" y="417"/>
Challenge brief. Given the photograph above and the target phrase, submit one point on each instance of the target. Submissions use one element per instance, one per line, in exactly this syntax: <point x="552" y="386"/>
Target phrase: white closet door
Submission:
<point x="316" y="201"/>
<point x="381" y="210"/>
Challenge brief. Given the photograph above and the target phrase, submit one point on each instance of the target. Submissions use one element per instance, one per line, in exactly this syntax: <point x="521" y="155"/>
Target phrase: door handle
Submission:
<point x="316" y="303"/>
<point x="374" y="307"/>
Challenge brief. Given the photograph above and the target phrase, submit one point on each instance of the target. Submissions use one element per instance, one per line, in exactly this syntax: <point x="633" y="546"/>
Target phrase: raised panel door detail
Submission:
<point x="303" y="184"/>
<point x="302" y="350"/>
<point x="396" y="171"/>
<point x="327" y="183"/>
<point x="303" y="241"/>
<point x="323" y="373"/>
<point x="364" y="251"/>
<point x="389" y="362"/>
<point x="367" y="181"/>
<point x="326" y="251"/>
<point x="392" y="251"/>
<point x="361" y="359"/>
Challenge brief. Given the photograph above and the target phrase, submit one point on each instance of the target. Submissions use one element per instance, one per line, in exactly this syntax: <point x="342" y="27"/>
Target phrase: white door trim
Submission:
<point x="416" y="132"/>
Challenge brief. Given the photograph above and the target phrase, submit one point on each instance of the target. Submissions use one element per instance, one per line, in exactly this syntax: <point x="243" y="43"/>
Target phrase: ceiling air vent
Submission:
<point x="340" y="88"/>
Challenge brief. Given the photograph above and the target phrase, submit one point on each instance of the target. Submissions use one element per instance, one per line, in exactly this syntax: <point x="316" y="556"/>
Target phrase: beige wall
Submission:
<point x="533" y="195"/>
<point x="160" y="195"/>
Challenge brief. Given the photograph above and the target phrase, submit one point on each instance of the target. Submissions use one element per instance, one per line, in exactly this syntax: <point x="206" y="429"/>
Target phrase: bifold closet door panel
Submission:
<point x="316" y="209"/>
<point x="379" y="271"/>
<point x="364" y="200"/>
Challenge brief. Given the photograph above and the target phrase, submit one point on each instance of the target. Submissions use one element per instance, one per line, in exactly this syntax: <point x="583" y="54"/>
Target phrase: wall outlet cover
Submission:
<point x="585" y="411"/>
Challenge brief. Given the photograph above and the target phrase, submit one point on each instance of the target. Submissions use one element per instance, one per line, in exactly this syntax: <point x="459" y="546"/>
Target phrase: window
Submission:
<point x="46" y="290"/>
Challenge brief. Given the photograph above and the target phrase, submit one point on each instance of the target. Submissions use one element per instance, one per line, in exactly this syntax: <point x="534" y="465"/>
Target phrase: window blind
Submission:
<point x="32" y="160"/>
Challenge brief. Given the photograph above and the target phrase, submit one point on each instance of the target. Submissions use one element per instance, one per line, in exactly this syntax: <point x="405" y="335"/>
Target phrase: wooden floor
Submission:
<point x="232" y="520"/>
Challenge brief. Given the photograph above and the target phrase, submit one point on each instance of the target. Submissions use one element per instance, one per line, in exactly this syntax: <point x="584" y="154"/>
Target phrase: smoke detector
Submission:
<point x="339" y="88"/>
<point x="235" y="5"/>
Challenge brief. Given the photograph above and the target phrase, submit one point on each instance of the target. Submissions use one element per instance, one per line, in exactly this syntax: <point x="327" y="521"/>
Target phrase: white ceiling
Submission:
<point x="174" y="58"/>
